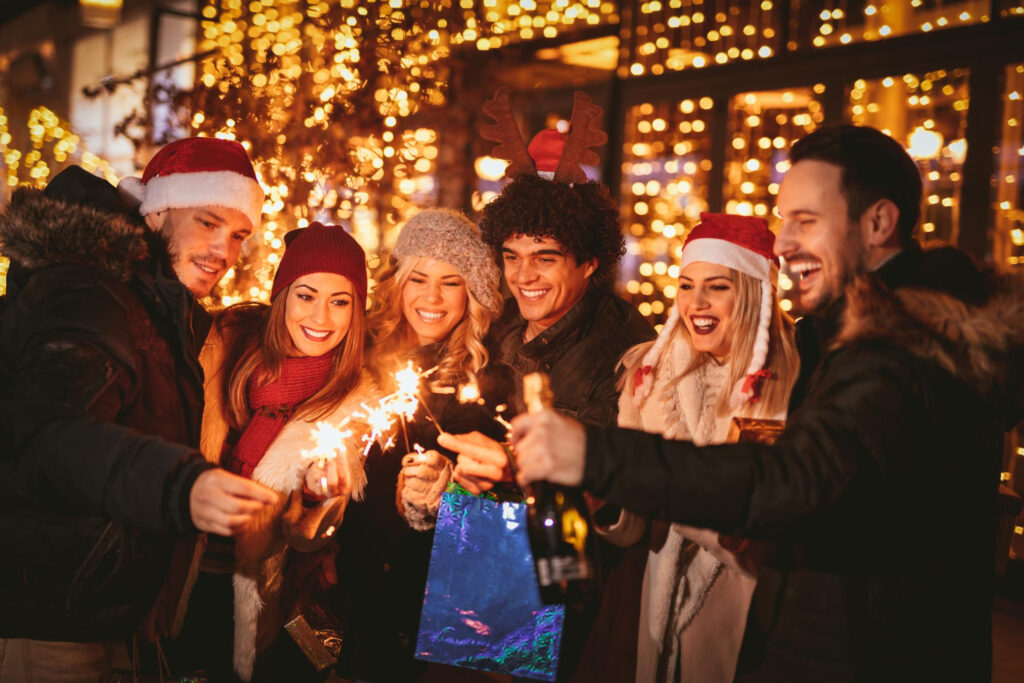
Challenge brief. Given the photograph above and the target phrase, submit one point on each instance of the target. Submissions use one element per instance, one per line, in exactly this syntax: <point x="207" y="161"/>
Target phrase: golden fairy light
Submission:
<point x="323" y="95"/>
<point x="927" y="113"/>
<point x="53" y="145"/>
<point x="1008" y="228"/>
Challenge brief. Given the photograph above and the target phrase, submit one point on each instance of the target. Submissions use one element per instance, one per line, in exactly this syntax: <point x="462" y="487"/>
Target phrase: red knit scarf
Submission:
<point x="273" y="404"/>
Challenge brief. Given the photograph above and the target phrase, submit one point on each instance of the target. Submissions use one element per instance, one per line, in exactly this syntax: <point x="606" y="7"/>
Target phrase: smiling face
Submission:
<point x="434" y="300"/>
<point x="318" y="312"/>
<point x="544" y="278"/>
<point x="203" y="242"/>
<point x="706" y="299"/>
<point x="823" y="247"/>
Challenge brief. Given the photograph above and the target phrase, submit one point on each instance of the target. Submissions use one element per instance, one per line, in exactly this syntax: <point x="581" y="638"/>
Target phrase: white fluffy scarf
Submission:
<point x="680" y="407"/>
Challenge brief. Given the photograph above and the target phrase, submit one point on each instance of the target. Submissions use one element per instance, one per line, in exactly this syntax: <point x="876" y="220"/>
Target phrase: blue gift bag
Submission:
<point x="481" y="609"/>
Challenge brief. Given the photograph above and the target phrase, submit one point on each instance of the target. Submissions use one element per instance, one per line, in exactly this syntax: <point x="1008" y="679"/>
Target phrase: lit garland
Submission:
<point x="667" y="171"/>
<point x="928" y="114"/>
<point x="339" y="104"/>
<point x="671" y="35"/>
<point x="53" y="145"/>
<point x="665" y="176"/>
<point x="1008" y="242"/>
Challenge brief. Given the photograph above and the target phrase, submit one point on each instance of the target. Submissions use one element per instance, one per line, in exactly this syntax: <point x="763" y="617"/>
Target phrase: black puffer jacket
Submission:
<point x="579" y="353"/>
<point x="101" y="405"/>
<point x="383" y="562"/>
<point x="879" y="496"/>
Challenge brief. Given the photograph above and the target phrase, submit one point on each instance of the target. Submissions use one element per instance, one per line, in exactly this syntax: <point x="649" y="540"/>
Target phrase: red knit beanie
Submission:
<point x="321" y="249"/>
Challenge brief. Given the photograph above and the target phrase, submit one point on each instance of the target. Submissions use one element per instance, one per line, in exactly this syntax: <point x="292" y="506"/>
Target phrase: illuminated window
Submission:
<point x="928" y="114"/>
<point x="665" y="176"/>
<point x="1008" y="223"/>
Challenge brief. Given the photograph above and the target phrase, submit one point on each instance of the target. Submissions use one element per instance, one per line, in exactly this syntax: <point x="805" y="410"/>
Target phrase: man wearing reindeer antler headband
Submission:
<point x="558" y="238"/>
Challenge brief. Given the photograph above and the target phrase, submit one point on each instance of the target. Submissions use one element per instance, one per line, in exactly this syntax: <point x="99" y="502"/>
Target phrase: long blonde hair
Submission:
<point x="261" y="344"/>
<point x="782" y="360"/>
<point x="464" y="352"/>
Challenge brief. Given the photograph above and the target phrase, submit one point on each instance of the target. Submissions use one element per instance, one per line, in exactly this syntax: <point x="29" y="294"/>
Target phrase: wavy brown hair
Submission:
<point x="464" y="352"/>
<point x="262" y="342"/>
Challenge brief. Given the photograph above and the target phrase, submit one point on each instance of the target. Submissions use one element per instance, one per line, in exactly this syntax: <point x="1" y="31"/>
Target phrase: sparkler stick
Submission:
<point x="405" y="434"/>
<point x="430" y="415"/>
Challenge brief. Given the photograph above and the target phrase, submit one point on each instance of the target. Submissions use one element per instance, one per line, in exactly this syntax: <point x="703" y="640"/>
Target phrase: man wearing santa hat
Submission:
<point x="102" y="398"/>
<point x="879" y="497"/>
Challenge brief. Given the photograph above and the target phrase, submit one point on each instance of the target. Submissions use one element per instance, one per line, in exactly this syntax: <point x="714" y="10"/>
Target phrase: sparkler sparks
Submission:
<point x="330" y="442"/>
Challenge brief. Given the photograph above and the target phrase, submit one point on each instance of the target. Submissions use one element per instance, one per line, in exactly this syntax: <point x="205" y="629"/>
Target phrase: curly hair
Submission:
<point x="581" y="217"/>
<point x="464" y="351"/>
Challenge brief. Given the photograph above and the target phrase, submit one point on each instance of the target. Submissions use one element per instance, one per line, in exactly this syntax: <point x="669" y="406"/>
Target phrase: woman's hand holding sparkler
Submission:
<point x="424" y="477"/>
<point x="328" y="478"/>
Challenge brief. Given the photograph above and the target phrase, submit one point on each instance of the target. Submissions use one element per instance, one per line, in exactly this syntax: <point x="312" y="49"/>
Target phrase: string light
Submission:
<point x="1008" y="228"/>
<point x="325" y="96"/>
<point x="52" y="146"/>
<point x="928" y="114"/>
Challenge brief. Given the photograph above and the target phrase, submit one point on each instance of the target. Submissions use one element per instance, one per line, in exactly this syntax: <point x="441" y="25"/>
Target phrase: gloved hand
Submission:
<point x="423" y="479"/>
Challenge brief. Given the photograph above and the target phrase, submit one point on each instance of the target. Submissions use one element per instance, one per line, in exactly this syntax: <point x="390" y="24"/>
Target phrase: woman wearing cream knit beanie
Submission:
<point x="434" y="300"/>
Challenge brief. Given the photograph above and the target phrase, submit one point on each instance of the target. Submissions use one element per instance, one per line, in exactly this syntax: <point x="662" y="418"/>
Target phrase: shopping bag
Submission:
<point x="481" y="608"/>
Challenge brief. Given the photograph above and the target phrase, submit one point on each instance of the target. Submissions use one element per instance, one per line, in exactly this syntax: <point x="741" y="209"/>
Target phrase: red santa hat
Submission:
<point x="546" y="149"/>
<point x="198" y="172"/>
<point x="743" y="243"/>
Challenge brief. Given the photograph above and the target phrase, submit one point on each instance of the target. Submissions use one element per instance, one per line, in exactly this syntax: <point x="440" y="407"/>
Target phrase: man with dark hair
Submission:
<point x="878" y="500"/>
<point x="558" y="238"/>
<point x="881" y="187"/>
<point x="102" y="397"/>
<point x="558" y="243"/>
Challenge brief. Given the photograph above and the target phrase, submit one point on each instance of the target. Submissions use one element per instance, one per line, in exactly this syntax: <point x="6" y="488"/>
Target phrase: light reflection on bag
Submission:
<point x="482" y="609"/>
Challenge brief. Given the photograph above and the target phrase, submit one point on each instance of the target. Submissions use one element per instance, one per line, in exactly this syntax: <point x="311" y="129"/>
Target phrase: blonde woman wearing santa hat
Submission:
<point x="273" y="373"/>
<point x="726" y="350"/>
<point x="434" y="299"/>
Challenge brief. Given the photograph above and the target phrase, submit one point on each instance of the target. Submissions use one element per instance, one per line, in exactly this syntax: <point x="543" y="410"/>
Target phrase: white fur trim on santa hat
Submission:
<point x="726" y="253"/>
<point x="203" y="188"/>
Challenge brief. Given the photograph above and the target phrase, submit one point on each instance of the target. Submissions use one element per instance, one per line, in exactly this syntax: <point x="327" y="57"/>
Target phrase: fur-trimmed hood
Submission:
<point x="37" y="230"/>
<point x="980" y="345"/>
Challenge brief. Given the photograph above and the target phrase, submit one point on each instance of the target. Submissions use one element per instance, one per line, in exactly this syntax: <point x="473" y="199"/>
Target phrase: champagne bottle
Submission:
<point x="557" y="521"/>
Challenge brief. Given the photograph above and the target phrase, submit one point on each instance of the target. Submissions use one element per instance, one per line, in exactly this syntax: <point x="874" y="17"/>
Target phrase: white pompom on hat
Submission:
<point x="743" y="243"/>
<point x="197" y="172"/>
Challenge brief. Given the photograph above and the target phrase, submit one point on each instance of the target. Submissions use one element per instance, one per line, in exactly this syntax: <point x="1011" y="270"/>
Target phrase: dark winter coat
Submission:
<point x="382" y="562"/>
<point x="879" y="496"/>
<point x="101" y="407"/>
<point x="579" y="353"/>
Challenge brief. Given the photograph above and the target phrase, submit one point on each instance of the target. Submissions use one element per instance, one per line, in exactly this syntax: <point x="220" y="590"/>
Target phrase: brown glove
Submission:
<point x="423" y="479"/>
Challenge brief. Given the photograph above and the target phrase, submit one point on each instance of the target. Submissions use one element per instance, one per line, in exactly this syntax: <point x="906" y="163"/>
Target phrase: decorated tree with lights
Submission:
<point x="341" y="104"/>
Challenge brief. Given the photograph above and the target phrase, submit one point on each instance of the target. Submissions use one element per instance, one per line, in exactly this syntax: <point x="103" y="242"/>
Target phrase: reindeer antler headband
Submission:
<point x="584" y="133"/>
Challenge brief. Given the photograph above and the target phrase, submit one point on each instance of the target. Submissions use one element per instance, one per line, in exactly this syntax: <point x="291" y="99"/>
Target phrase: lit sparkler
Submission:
<point x="330" y="442"/>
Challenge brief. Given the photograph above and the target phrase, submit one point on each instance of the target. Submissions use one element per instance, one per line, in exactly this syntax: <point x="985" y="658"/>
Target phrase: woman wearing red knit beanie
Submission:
<point x="272" y="373"/>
